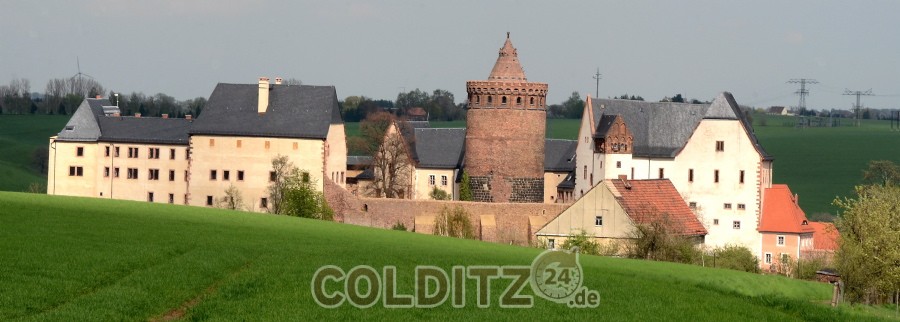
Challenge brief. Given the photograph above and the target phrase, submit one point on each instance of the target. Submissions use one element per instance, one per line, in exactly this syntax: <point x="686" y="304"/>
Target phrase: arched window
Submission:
<point x="477" y="99"/>
<point x="490" y="99"/>
<point x="503" y="100"/>
<point x="518" y="101"/>
<point x="532" y="101"/>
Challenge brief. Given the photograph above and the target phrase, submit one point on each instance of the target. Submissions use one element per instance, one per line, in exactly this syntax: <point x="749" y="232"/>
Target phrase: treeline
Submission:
<point x="62" y="96"/>
<point x="438" y="106"/>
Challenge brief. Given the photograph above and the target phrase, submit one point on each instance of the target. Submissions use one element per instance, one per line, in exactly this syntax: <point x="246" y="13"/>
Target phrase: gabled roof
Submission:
<point x="91" y="123"/>
<point x="657" y="200"/>
<point x="781" y="213"/>
<point x="559" y="155"/>
<point x="825" y="235"/>
<point x="440" y="148"/>
<point x="661" y="129"/>
<point x="568" y="183"/>
<point x="295" y="111"/>
<point x="777" y="109"/>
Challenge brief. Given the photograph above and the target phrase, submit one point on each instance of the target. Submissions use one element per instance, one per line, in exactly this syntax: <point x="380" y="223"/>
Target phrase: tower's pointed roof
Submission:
<point x="508" y="66"/>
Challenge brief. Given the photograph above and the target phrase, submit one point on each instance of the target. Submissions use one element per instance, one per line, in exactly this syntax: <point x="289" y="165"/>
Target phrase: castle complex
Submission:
<point x="699" y="167"/>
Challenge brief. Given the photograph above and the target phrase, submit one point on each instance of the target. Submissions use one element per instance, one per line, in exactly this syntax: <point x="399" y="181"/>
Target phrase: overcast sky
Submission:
<point x="649" y="48"/>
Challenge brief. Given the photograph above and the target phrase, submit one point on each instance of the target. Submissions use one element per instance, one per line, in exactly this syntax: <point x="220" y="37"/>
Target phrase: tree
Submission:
<point x="39" y="159"/>
<point x="573" y="107"/>
<point x="454" y="222"/>
<point x="280" y="177"/>
<point x="881" y="172"/>
<point x="439" y="194"/>
<point x="232" y="200"/>
<point x="868" y="257"/>
<point x="293" y="193"/>
<point x="656" y="240"/>
<point x="391" y="163"/>
<point x="465" y="191"/>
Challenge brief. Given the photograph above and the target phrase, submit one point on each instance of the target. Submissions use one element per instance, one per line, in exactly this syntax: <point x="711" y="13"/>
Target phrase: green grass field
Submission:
<point x="20" y="135"/>
<point x="81" y="259"/>
<point x="821" y="163"/>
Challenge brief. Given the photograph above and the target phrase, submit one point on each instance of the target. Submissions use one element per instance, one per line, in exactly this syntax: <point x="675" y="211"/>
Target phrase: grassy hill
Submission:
<point x="79" y="259"/>
<point x="20" y="135"/>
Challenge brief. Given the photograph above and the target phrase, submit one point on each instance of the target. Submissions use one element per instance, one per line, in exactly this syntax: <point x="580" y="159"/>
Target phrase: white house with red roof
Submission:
<point x="611" y="210"/>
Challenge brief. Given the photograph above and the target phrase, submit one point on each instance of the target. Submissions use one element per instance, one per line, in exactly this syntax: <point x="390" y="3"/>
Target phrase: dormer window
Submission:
<point x="70" y="128"/>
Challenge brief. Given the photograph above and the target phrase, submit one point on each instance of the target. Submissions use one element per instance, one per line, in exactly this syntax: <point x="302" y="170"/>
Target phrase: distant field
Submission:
<point x="20" y="135"/>
<point x="821" y="163"/>
<point x="81" y="259"/>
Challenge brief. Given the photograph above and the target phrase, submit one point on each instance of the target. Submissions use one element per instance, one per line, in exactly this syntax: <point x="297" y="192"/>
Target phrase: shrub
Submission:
<point x="399" y="226"/>
<point x="465" y="191"/>
<point x="438" y="194"/>
<point x="654" y="241"/>
<point x="454" y="222"/>
<point x="734" y="257"/>
<point x="583" y="241"/>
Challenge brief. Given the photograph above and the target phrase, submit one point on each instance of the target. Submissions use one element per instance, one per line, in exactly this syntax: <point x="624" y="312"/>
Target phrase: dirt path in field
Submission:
<point x="180" y="311"/>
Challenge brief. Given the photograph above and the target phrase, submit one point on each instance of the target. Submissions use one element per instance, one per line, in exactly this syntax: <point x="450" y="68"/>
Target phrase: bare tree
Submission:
<point x="232" y="200"/>
<point x="388" y="141"/>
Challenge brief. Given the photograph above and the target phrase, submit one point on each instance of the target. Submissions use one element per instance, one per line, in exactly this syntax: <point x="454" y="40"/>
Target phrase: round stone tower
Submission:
<point x="505" y="131"/>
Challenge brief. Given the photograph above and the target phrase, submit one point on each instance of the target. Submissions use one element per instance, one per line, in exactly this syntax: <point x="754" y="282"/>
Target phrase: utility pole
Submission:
<point x="803" y="92"/>
<point x="597" y="77"/>
<point x="857" y="107"/>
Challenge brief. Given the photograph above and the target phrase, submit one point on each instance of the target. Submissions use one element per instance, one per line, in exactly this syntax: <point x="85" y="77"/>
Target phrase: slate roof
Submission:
<point x="359" y="160"/>
<point x="604" y="124"/>
<point x="648" y="201"/>
<point x="144" y="130"/>
<point x="780" y="212"/>
<point x="295" y="111"/>
<point x="661" y="129"/>
<point x="440" y="148"/>
<point x="568" y="183"/>
<point x="559" y="155"/>
<point x="90" y="123"/>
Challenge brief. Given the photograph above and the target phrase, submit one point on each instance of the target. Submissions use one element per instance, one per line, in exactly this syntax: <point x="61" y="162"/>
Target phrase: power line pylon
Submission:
<point x="803" y="92"/>
<point x="858" y="107"/>
<point x="597" y="77"/>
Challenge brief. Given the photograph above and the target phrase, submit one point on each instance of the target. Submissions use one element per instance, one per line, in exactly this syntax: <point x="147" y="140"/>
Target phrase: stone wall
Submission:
<point x="495" y="222"/>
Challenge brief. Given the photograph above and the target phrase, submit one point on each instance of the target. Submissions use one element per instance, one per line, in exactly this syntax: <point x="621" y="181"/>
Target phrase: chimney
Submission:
<point x="137" y="115"/>
<point x="188" y="117"/>
<point x="797" y="199"/>
<point x="263" y="101"/>
<point x="278" y="80"/>
<point x="165" y="116"/>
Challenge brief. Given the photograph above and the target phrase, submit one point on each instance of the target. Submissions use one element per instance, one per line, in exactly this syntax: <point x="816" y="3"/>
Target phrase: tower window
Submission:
<point x="490" y="99"/>
<point x="503" y="100"/>
<point x="690" y="175"/>
<point x="532" y="101"/>
<point x="716" y="176"/>
<point x="662" y="173"/>
<point x="720" y="146"/>
<point x="742" y="176"/>
<point x="518" y="101"/>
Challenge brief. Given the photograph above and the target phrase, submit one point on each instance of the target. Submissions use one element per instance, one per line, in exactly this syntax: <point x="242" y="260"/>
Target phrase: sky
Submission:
<point x="378" y="48"/>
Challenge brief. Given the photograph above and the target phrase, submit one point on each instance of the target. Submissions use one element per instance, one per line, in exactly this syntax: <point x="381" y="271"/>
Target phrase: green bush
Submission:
<point x="399" y="226"/>
<point x="438" y="194"/>
<point x="583" y="241"/>
<point x="454" y="222"/>
<point x="465" y="191"/>
<point x="733" y="257"/>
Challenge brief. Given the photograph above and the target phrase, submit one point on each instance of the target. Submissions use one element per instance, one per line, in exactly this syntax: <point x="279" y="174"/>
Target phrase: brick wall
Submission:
<point x="495" y="222"/>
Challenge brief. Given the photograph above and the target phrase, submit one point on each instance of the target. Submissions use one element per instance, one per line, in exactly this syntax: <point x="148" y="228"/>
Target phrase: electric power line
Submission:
<point x="803" y="92"/>
<point x="857" y="107"/>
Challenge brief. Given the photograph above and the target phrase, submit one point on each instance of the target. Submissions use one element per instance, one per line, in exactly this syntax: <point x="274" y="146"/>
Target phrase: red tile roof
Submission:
<point x="825" y="236"/>
<point x="780" y="212"/>
<point x="646" y="201"/>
